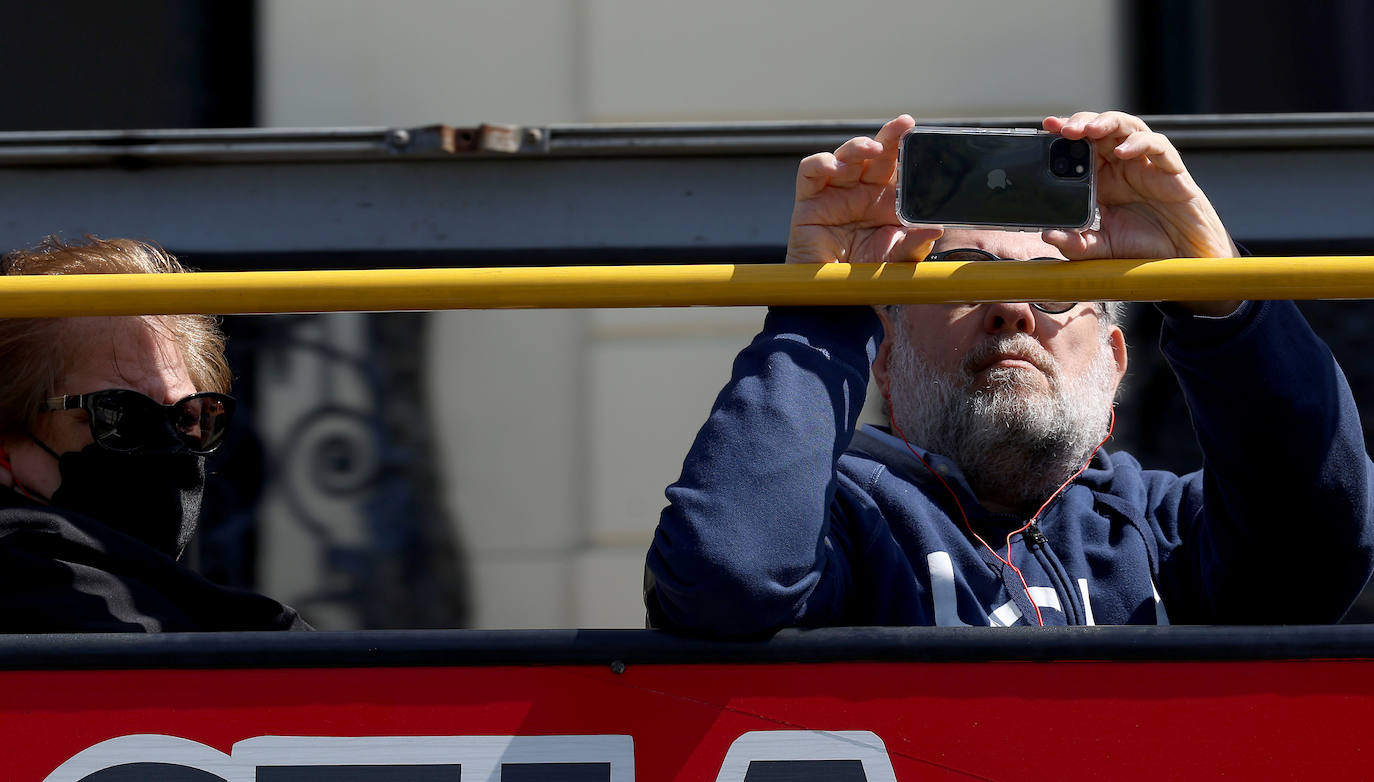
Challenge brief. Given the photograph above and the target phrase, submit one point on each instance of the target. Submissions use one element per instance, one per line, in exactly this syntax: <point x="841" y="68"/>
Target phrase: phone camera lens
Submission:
<point x="1069" y="158"/>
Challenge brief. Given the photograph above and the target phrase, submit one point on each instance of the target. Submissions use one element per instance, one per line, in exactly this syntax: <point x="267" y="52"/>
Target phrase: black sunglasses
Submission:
<point x="974" y="254"/>
<point x="130" y="422"/>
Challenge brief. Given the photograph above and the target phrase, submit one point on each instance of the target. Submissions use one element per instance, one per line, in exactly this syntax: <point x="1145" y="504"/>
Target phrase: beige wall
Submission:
<point x="418" y="62"/>
<point x="414" y="62"/>
<point x="567" y="426"/>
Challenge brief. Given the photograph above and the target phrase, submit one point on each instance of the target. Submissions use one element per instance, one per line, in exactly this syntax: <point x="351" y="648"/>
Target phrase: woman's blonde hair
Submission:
<point x="33" y="355"/>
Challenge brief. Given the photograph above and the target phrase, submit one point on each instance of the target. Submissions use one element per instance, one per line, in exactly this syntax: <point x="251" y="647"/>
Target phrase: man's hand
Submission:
<point x="846" y="207"/>
<point x="1151" y="207"/>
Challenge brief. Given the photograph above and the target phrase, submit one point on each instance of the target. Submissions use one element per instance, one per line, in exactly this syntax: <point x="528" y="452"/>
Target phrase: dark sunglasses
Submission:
<point x="130" y="422"/>
<point x="974" y="254"/>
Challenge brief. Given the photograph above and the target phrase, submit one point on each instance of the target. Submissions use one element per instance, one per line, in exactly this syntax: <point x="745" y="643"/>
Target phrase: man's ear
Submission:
<point x="880" y="361"/>
<point x="1117" y="338"/>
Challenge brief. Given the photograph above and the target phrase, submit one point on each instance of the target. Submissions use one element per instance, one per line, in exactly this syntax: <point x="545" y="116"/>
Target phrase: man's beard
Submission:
<point x="1015" y="442"/>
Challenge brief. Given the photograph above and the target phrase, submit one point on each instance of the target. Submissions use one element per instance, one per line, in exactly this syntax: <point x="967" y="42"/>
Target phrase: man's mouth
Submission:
<point x="1013" y="355"/>
<point x="1007" y="360"/>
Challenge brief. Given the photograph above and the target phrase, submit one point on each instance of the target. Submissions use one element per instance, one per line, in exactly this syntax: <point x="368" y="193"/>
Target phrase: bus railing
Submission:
<point x="260" y="292"/>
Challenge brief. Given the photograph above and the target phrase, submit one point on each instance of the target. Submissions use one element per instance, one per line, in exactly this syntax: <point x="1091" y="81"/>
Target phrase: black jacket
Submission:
<point x="62" y="572"/>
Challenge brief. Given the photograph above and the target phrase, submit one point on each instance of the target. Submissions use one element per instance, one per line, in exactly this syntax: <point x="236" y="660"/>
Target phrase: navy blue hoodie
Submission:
<point x="786" y="516"/>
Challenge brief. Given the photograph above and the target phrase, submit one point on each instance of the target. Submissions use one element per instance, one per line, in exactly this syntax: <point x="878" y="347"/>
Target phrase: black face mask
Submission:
<point x="153" y="497"/>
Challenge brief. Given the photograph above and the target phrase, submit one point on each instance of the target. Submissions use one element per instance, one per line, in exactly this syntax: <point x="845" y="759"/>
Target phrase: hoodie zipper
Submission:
<point x="1039" y="546"/>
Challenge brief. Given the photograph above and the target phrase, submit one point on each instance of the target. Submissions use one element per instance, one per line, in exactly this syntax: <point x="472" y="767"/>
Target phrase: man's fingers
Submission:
<point x="880" y="169"/>
<point x="892" y="131"/>
<point x="814" y="173"/>
<point x="1076" y="245"/>
<point x="1070" y="127"/>
<point x="1094" y="125"/>
<point x="858" y="160"/>
<point x="1154" y="146"/>
<point x="858" y="150"/>
<point x="854" y="157"/>
<point x="1082" y="118"/>
<point x="1113" y="123"/>
<point x="1122" y="120"/>
<point x="1053" y="123"/>
<point x="914" y="245"/>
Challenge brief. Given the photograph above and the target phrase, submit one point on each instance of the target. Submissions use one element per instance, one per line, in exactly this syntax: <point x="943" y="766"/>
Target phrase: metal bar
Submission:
<point x="701" y="193"/>
<point x="1192" y="279"/>
<point x="447" y="648"/>
<point x="254" y="145"/>
<point x="257" y="145"/>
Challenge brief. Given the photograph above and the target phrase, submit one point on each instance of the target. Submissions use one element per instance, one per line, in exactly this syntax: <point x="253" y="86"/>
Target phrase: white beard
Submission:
<point x="1015" y="442"/>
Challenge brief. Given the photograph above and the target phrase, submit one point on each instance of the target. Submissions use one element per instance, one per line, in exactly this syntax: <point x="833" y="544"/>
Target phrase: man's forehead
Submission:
<point x="1003" y="244"/>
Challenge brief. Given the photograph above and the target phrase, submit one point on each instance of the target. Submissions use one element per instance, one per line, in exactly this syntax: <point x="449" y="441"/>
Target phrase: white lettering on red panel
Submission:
<point x="781" y="756"/>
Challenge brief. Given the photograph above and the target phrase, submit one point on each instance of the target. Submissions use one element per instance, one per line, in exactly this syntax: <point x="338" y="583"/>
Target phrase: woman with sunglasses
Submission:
<point x="104" y="427"/>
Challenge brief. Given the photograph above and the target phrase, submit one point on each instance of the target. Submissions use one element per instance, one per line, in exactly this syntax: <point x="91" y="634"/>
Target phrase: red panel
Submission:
<point x="939" y="721"/>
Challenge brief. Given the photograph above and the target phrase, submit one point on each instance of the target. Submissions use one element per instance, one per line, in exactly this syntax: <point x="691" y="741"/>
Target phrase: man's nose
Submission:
<point x="1009" y="317"/>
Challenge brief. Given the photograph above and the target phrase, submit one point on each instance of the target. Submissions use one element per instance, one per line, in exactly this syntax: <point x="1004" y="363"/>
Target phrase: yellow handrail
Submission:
<point x="1171" y="279"/>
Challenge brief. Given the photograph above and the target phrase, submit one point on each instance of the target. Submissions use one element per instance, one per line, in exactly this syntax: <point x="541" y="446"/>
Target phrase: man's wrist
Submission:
<point x="1211" y="309"/>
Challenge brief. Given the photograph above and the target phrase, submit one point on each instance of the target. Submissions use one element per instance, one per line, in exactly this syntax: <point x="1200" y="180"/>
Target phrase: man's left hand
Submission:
<point x="1151" y="207"/>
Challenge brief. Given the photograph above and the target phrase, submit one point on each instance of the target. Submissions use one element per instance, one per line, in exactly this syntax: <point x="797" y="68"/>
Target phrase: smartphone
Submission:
<point x="995" y="178"/>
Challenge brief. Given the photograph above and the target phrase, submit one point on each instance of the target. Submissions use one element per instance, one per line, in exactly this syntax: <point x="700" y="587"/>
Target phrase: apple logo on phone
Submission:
<point x="997" y="179"/>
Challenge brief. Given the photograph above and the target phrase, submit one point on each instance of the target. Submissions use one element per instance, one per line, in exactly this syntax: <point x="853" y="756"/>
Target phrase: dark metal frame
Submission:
<point x="490" y="195"/>
<point x="618" y="648"/>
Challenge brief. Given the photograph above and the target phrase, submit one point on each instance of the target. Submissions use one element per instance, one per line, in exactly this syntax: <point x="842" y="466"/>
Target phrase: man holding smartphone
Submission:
<point x="991" y="497"/>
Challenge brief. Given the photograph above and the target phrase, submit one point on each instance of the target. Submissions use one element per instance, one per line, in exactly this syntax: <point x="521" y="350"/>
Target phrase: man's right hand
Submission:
<point x="846" y="208"/>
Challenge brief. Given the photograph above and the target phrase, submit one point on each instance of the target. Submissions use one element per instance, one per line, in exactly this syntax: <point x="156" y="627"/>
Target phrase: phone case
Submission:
<point x="995" y="178"/>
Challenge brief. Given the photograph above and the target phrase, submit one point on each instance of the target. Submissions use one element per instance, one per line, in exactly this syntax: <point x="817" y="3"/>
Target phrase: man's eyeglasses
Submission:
<point x="130" y="422"/>
<point x="974" y="254"/>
